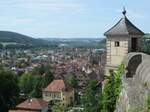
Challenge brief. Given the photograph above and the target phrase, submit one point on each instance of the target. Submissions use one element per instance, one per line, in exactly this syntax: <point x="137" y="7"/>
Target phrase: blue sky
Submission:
<point x="70" y="18"/>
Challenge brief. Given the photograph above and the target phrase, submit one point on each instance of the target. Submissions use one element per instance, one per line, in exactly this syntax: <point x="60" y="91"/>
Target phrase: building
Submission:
<point x="32" y="105"/>
<point x="122" y="39"/>
<point x="58" y="91"/>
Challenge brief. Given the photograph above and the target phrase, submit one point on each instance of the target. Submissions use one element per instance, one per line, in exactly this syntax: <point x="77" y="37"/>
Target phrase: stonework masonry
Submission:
<point x="136" y="87"/>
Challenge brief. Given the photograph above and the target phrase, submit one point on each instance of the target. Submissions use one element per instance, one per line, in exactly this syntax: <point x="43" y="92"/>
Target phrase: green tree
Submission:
<point x="37" y="89"/>
<point x="47" y="78"/>
<point x="148" y="102"/>
<point x="59" y="108"/>
<point x="112" y="90"/>
<point x="41" y="70"/>
<point x="109" y="98"/>
<point x="32" y="84"/>
<point x="72" y="80"/>
<point x="91" y="98"/>
<point x="26" y="83"/>
<point x="44" y="71"/>
<point x="9" y="90"/>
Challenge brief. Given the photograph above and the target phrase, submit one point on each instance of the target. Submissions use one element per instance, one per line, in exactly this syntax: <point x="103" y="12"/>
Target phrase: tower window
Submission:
<point x="117" y="44"/>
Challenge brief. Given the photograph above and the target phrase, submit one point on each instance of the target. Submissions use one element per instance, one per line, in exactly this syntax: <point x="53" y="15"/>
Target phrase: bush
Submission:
<point x="112" y="90"/>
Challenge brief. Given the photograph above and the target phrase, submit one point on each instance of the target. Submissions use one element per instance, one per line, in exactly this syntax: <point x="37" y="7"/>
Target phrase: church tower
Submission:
<point x="122" y="38"/>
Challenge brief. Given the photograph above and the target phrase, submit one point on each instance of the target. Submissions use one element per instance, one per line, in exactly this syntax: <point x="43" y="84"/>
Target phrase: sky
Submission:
<point x="70" y="18"/>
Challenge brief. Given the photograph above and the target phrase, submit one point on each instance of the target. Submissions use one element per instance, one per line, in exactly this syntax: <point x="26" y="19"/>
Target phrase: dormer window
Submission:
<point x="117" y="43"/>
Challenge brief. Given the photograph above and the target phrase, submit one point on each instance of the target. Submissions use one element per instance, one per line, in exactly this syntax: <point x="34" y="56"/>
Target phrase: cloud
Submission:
<point x="46" y="5"/>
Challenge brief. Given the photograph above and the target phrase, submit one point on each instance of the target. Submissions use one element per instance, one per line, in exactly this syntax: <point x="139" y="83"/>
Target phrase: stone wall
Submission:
<point x="135" y="82"/>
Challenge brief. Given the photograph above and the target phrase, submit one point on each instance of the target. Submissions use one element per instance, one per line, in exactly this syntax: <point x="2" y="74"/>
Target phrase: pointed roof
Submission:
<point x="58" y="86"/>
<point x="123" y="27"/>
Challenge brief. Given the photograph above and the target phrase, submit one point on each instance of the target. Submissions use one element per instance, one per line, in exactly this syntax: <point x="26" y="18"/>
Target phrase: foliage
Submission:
<point x="58" y="108"/>
<point x="6" y="36"/>
<point x="26" y="83"/>
<point x="40" y="70"/>
<point x="148" y="102"/>
<point x="92" y="97"/>
<point x="112" y="90"/>
<point x="77" y="99"/>
<point x="32" y="84"/>
<point x="146" y="43"/>
<point x="72" y="80"/>
<point x="36" y="92"/>
<point x="45" y="73"/>
<point x="47" y="78"/>
<point x="9" y="90"/>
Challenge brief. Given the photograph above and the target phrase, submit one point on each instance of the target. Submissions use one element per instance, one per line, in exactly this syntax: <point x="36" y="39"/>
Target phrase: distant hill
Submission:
<point x="8" y="37"/>
<point x="79" y="42"/>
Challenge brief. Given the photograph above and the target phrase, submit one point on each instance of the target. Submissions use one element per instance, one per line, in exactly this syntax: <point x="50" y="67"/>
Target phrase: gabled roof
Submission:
<point x="123" y="27"/>
<point x="32" y="104"/>
<point x="58" y="86"/>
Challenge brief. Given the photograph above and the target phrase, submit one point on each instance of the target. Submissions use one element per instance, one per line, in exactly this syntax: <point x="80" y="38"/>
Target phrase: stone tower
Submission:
<point x="122" y="38"/>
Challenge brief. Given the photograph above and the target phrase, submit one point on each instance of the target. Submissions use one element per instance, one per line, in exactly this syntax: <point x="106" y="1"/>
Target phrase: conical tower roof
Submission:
<point x="123" y="27"/>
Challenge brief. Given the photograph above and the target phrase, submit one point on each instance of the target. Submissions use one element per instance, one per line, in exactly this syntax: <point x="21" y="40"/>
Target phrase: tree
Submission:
<point x="37" y="89"/>
<point x="26" y="83"/>
<point x="47" y="78"/>
<point x="41" y="69"/>
<point x="32" y="84"/>
<point x="112" y="90"/>
<point x="91" y="98"/>
<point x="9" y="90"/>
<point x="72" y="80"/>
<point x="58" y="108"/>
<point x="109" y="99"/>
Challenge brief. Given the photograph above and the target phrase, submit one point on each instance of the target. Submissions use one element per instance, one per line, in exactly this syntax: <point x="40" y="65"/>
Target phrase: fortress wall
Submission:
<point x="137" y="86"/>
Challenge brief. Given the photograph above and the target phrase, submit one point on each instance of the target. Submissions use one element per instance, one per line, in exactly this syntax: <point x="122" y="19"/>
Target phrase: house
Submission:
<point x="58" y="91"/>
<point x="32" y="105"/>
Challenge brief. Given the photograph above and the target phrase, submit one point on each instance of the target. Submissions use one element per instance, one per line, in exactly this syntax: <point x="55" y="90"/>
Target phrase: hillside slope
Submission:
<point x="7" y="37"/>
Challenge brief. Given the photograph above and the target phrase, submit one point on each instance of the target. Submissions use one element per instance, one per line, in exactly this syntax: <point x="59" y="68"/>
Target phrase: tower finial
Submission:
<point x="124" y="11"/>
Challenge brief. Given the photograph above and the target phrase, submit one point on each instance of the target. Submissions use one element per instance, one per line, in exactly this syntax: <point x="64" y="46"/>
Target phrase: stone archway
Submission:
<point x="132" y="65"/>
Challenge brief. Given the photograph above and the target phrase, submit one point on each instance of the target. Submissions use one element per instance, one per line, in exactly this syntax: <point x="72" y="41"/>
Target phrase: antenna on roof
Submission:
<point x="124" y="11"/>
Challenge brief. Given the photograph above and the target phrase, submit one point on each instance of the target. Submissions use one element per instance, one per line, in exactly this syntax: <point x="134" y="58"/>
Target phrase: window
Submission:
<point x="117" y="44"/>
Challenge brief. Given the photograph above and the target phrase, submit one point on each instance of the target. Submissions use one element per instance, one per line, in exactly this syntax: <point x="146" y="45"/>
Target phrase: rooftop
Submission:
<point x="32" y="104"/>
<point x="58" y="86"/>
<point x="123" y="27"/>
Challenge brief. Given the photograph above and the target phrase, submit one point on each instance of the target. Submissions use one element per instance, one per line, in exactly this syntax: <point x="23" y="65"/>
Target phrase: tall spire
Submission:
<point x="124" y="12"/>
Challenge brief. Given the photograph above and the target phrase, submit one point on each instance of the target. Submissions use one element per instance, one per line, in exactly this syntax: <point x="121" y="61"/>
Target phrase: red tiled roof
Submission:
<point x="32" y="104"/>
<point x="58" y="86"/>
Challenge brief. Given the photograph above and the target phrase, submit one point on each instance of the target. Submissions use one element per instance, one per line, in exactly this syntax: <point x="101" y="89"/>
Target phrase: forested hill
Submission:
<point x="16" y="38"/>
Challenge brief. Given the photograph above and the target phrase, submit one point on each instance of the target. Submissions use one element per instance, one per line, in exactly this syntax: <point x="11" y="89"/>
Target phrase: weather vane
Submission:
<point x="124" y="11"/>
